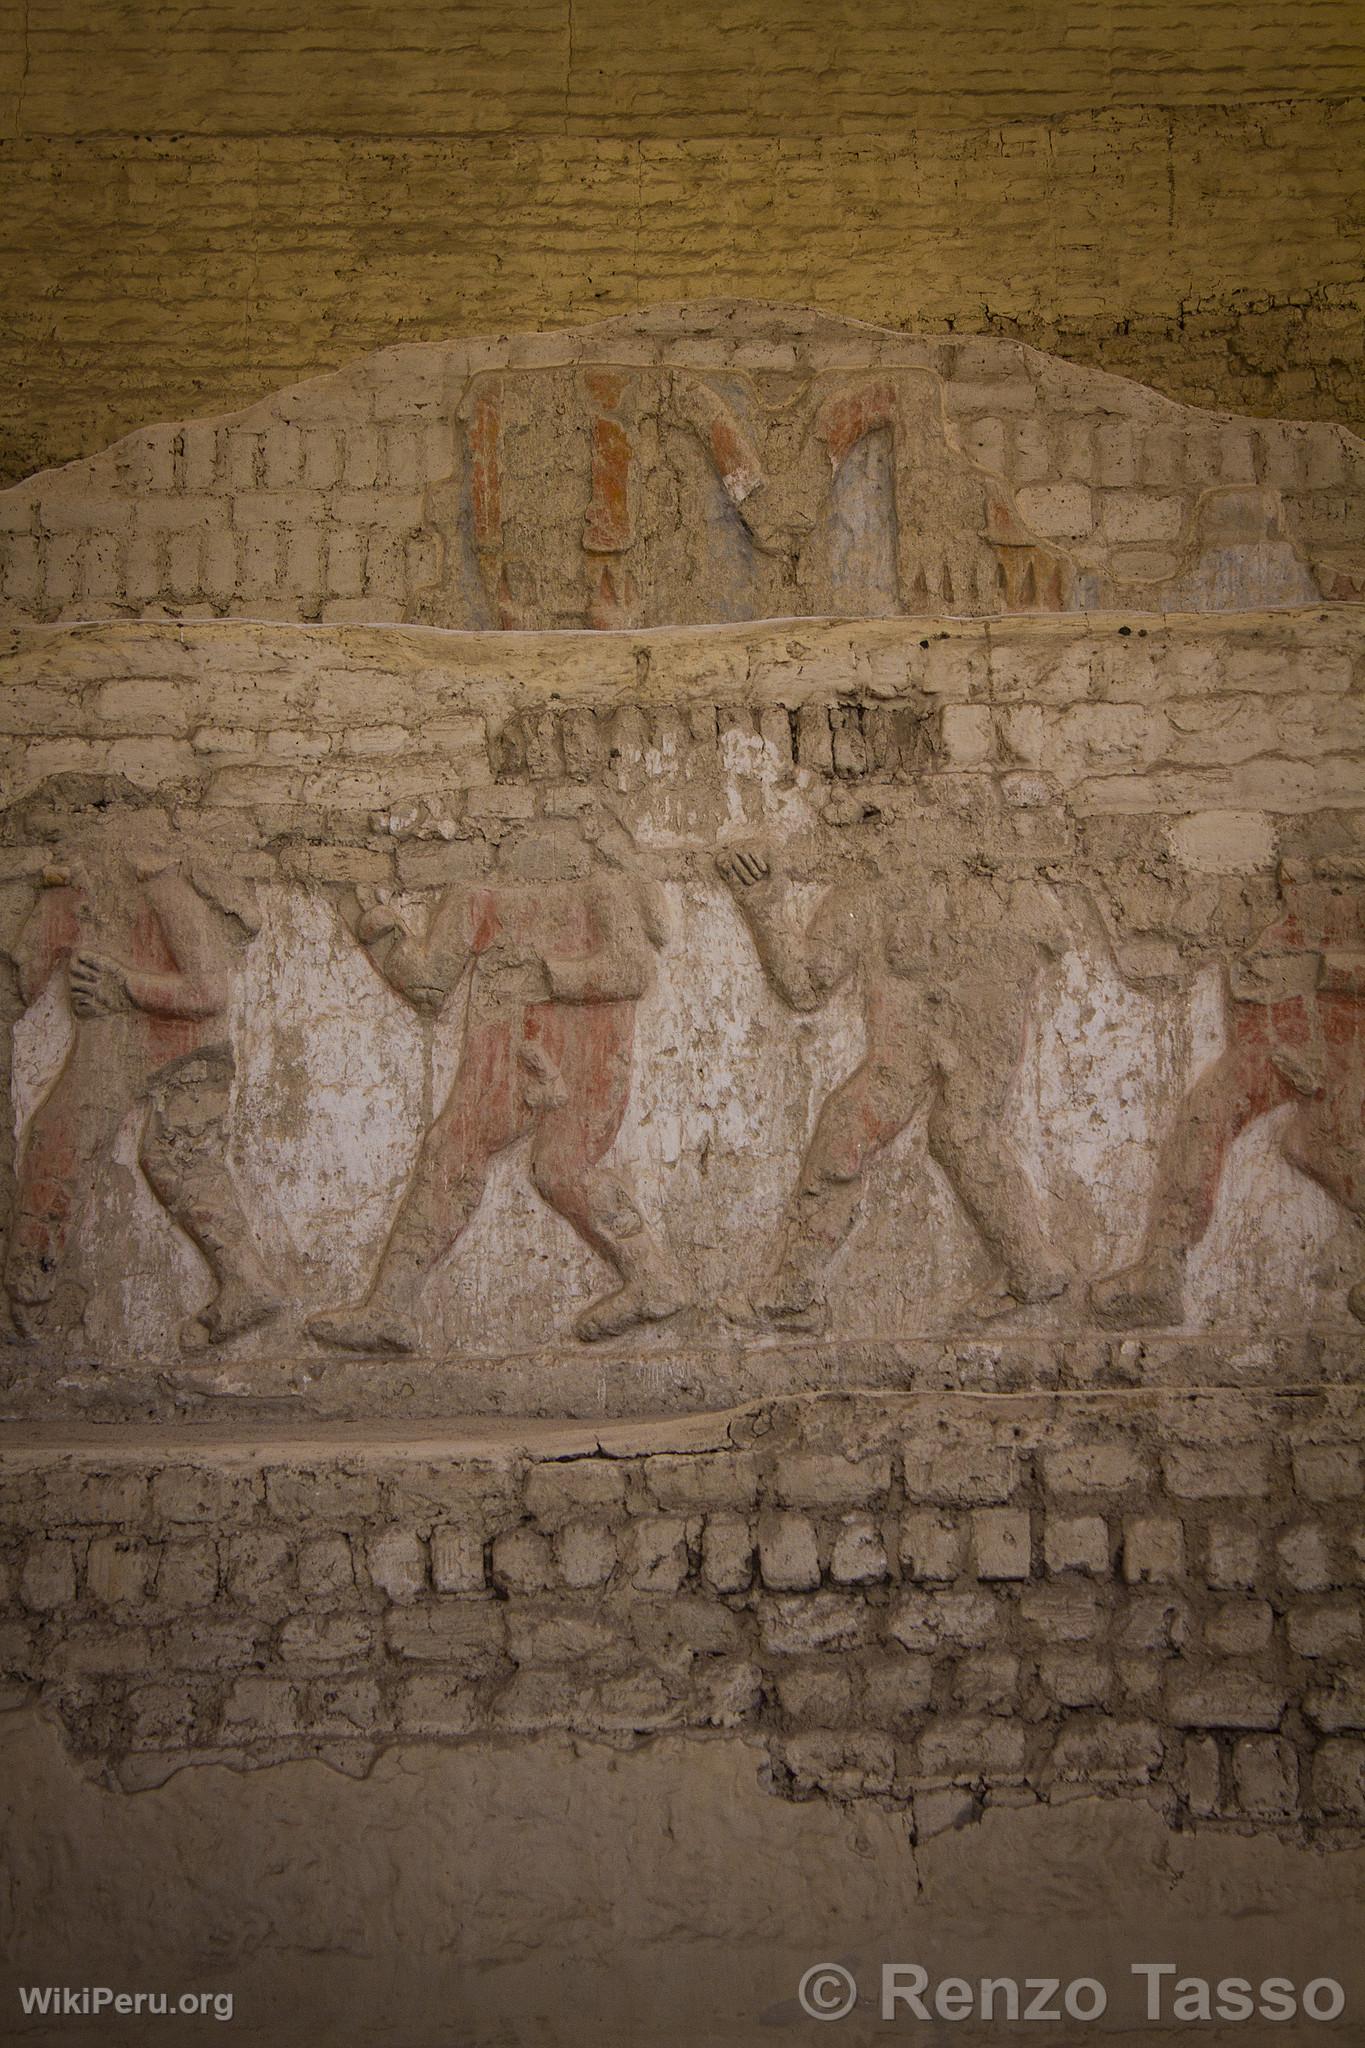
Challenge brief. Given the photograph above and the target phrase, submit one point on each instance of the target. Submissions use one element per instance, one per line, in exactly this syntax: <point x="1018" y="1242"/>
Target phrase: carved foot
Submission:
<point x="1355" y="1301"/>
<point x="235" y="1309"/>
<point x="1043" y="1282"/>
<point x="1145" y="1295"/>
<point x="49" y="1318"/>
<point x="792" y="1300"/>
<point x="374" y="1330"/>
<point x="739" y="1311"/>
<point x="811" y="1320"/>
<point x="638" y="1302"/>
<point x="993" y="1303"/>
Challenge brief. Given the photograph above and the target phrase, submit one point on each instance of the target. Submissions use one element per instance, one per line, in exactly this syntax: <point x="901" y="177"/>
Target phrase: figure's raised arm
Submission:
<point x="197" y="985"/>
<point x="804" y="964"/>
<point x="1147" y="964"/>
<point x="44" y="930"/>
<point x="423" y="971"/>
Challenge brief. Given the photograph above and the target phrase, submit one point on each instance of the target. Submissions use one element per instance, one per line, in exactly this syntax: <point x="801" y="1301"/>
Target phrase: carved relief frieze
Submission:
<point x="692" y="1027"/>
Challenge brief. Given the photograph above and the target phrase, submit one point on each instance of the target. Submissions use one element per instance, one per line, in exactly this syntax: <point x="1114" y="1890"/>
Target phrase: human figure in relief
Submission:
<point x="947" y="966"/>
<point x="1295" y="1034"/>
<point x="140" y="941"/>
<point x="554" y="952"/>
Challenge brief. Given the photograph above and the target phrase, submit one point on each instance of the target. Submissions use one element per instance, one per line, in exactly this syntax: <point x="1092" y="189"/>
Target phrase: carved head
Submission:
<point x="97" y="820"/>
<point x="550" y="850"/>
<point x="98" y="813"/>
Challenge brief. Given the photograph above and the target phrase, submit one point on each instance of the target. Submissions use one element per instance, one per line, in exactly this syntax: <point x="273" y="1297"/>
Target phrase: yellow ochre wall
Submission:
<point x="208" y="199"/>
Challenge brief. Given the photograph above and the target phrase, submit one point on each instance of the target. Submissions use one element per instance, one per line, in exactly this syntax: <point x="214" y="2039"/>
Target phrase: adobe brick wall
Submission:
<point x="943" y="1601"/>
<point x="697" y="1278"/>
<point x="203" y="206"/>
<point x="445" y="485"/>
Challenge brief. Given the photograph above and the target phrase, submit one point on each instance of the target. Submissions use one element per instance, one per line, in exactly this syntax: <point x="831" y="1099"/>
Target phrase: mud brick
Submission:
<point x="658" y="1548"/>
<point x="1153" y="1549"/>
<point x="1076" y="1543"/>
<point x="565" y="1490"/>
<point x="522" y="1561"/>
<point x="1327" y="1472"/>
<point x="1231" y="1699"/>
<point x="858" y="1557"/>
<point x="923" y="1621"/>
<point x="810" y="1479"/>
<point x="48" y="1578"/>
<point x="793" y="1624"/>
<point x="586" y="1553"/>
<point x="712" y="1480"/>
<point x="1001" y="1543"/>
<point x="1329" y="1631"/>
<point x="1222" y="1472"/>
<point x="326" y="1566"/>
<point x="728" y="1553"/>
<point x="1233" y="1556"/>
<point x="1094" y="1468"/>
<point x="788" y="1556"/>
<point x="931" y="1546"/>
<point x="117" y="1571"/>
<point x="1265" y="1775"/>
<point x="1306" y="1558"/>
<point x="468" y="1635"/>
<point x="969" y="1747"/>
<point x="963" y="1475"/>
<point x="1238" y="1628"/>
<point x="397" y="1561"/>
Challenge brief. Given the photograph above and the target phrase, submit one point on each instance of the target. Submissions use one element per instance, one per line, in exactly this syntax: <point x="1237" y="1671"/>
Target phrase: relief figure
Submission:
<point x="1295" y="1007"/>
<point x="960" y="545"/>
<point x="581" y="505"/>
<point x="141" y="940"/>
<point x="947" y="968"/>
<point x="553" y="953"/>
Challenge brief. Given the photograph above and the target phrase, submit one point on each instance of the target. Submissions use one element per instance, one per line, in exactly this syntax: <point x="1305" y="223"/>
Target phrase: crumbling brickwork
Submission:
<point x="939" y="1601"/>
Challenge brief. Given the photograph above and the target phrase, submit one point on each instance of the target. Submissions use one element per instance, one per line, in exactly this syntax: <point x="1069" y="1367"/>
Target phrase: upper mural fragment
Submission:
<point x="690" y="466"/>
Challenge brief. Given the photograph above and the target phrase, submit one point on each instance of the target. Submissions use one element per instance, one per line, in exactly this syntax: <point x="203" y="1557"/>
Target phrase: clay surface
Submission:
<point x="694" y="465"/>
<point x="686" y="1134"/>
<point x="711" y="1015"/>
<point x="569" y="1893"/>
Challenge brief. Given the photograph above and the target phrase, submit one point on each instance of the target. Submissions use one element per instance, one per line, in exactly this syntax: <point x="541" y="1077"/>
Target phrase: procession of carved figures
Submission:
<point x="139" y="933"/>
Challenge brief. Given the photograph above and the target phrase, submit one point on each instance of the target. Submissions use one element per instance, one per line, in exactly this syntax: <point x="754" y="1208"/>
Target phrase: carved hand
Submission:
<point x="748" y="872"/>
<point x="98" y="985"/>
<point x="513" y="974"/>
<point x="378" y="917"/>
<point x="605" y="832"/>
<point x="65" y="875"/>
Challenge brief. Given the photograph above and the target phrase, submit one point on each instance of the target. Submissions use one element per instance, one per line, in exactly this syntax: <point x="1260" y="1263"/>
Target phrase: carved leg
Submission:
<point x="1235" y="1090"/>
<point x="1326" y="1136"/>
<point x="966" y="1140"/>
<point x="484" y="1113"/>
<point x="184" y="1156"/>
<point x="860" y="1117"/>
<point x="69" y="1133"/>
<point x="591" y="1050"/>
